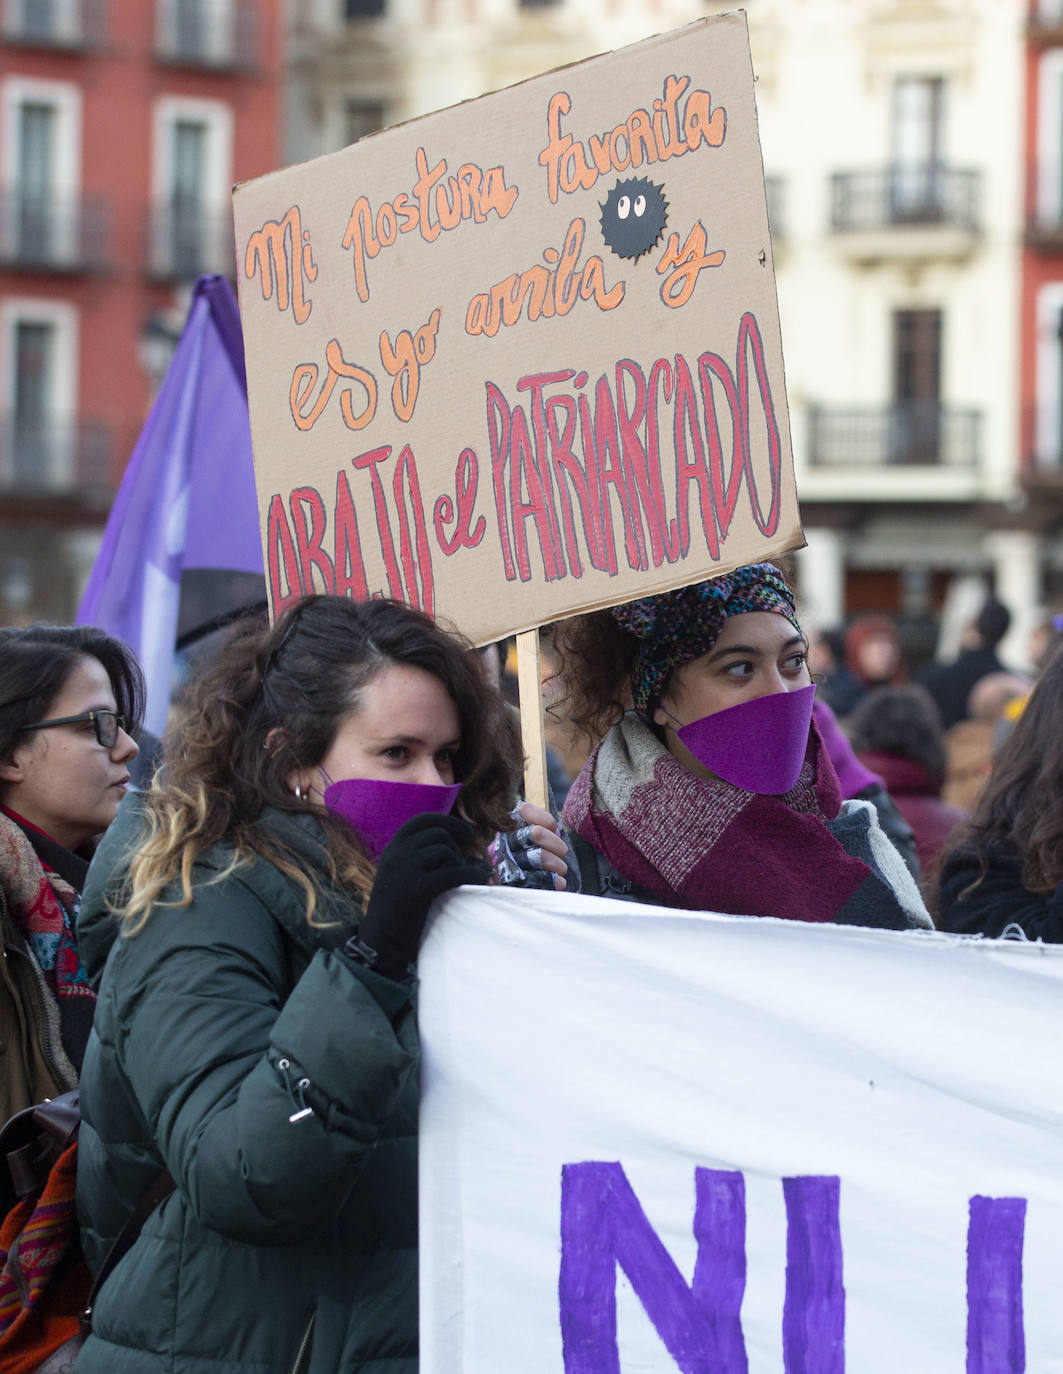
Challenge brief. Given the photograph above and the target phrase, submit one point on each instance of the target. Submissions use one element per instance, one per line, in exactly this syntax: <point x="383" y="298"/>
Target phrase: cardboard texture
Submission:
<point x="521" y="358"/>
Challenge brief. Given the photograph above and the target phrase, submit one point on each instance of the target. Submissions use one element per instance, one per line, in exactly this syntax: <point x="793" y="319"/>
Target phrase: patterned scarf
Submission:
<point x="704" y="845"/>
<point x="35" y="1290"/>
<point x="44" y="908"/>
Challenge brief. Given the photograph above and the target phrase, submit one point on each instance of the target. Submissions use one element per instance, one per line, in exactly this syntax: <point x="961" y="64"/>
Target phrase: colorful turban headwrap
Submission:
<point x="681" y="625"/>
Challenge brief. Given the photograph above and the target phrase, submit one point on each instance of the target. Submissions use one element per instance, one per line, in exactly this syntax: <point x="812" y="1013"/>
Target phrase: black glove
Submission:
<point x="420" y="863"/>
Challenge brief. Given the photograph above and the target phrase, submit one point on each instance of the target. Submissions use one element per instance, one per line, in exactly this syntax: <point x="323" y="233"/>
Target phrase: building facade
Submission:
<point x="895" y="135"/>
<point x="123" y="125"/>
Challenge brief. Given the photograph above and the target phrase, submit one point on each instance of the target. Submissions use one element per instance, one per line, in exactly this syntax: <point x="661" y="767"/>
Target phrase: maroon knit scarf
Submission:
<point x="705" y="845"/>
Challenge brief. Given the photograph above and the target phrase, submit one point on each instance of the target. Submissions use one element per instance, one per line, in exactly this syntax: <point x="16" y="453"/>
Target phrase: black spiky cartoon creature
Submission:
<point x="634" y="214"/>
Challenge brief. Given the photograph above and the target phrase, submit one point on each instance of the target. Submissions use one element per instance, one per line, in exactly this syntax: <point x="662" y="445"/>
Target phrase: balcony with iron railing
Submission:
<point x="56" y="460"/>
<point x="906" y="211"/>
<point x="907" y="434"/>
<point x="220" y="35"/>
<point x="68" y="25"/>
<point x="54" y="233"/>
<point x="184" y="244"/>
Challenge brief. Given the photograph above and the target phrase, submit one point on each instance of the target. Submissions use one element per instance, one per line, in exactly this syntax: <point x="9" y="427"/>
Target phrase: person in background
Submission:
<point x="950" y="684"/>
<point x="859" y="783"/>
<point x="837" y="686"/>
<point x="996" y="701"/>
<point x="896" y="732"/>
<point x="710" y="788"/>
<point x="71" y="700"/>
<point x="873" y="654"/>
<point x="1004" y="868"/>
<point x="251" y="924"/>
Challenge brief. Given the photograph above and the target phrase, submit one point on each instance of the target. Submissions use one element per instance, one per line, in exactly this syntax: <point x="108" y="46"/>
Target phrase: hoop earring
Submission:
<point x="298" y="792"/>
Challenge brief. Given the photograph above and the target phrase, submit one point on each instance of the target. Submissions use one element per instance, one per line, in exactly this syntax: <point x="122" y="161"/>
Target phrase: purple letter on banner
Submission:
<point x="813" y="1319"/>
<point x="995" y="1340"/>
<point x="603" y="1225"/>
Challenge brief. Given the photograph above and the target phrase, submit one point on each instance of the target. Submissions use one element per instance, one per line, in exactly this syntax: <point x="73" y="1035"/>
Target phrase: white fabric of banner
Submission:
<point x="784" y="1148"/>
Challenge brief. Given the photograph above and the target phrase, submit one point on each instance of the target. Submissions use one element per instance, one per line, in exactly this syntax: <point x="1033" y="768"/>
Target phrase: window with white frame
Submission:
<point x="1048" y="428"/>
<point x="192" y="178"/>
<point x="40" y="171"/>
<point x="916" y="174"/>
<point x="1050" y="138"/>
<point x="43" y="21"/>
<point x="38" y="387"/>
<point x="196" y="31"/>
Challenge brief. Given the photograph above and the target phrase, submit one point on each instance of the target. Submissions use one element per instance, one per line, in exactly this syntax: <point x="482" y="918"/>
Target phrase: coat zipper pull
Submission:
<point x="297" y="1097"/>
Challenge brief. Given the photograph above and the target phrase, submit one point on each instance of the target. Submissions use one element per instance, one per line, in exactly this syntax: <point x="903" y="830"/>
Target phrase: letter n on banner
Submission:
<point x="603" y="1225"/>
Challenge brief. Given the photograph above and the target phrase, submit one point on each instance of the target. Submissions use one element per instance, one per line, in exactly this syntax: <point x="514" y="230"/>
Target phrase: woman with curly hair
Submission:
<point x="1005" y="866"/>
<point x="711" y="788"/>
<point x="252" y="923"/>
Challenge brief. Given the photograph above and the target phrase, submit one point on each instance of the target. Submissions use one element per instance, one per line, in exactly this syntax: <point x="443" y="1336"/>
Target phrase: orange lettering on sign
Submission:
<point x="542" y="292"/>
<point x="281" y="252"/>
<point x="435" y="204"/>
<point x="304" y="380"/>
<point x="641" y="138"/>
<point x="404" y="359"/>
<point x="684" y="264"/>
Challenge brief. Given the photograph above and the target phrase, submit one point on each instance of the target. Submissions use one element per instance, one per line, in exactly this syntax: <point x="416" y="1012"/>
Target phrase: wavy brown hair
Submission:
<point x="1022" y="803"/>
<point x="595" y="657"/>
<point x="271" y="703"/>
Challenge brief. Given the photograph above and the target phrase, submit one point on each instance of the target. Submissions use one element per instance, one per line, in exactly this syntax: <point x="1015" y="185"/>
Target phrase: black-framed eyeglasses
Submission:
<point x="105" y="723"/>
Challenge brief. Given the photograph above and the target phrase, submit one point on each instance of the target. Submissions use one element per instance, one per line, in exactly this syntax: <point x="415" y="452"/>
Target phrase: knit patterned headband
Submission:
<point x="681" y="625"/>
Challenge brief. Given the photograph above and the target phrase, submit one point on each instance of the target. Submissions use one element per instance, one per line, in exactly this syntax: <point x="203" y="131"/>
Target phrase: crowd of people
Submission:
<point x="225" y="962"/>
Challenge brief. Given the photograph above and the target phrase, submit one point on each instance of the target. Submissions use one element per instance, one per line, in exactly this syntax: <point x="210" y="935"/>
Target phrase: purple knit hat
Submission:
<point x="678" y="626"/>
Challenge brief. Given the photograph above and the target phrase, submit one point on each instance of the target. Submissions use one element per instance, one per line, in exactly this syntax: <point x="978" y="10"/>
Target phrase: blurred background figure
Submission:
<point x="836" y="684"/>
<point x="995" y="701"/>
<point x="873" y="654"/>
<point x="1005" y="867"/>
<point x="860" y="783"/>
<point x="950" y="684"/>
<point x="896" y="732"/>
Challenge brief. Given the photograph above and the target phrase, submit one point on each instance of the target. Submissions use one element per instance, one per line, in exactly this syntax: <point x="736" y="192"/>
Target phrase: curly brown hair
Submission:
<point x="271" y="703"/>
<point x="594" y="657"/>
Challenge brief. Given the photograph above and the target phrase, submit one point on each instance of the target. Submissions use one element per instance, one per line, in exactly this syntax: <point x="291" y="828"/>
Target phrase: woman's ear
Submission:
<point x="13" y="768"/>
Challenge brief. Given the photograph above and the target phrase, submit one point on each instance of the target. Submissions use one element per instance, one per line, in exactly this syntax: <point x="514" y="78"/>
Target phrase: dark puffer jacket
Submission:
<point x="288" y="1243"/>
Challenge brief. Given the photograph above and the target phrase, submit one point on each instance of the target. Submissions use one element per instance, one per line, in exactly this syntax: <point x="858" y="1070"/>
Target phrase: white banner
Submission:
<point x="666" y="1141"/>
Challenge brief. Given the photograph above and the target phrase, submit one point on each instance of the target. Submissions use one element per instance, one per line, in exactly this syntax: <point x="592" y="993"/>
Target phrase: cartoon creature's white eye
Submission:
<point x="640" y="206"/>
<point x="623" y="206"/>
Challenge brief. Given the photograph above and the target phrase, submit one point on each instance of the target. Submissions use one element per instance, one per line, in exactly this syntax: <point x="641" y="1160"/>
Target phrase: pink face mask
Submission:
<point x="758" y="745"/>
<point x="377" y="809"/>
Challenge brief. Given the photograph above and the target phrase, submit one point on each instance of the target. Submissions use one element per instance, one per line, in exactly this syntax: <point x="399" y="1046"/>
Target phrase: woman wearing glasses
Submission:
<point x="69" y="696"/>
<point x="254" y="927"/>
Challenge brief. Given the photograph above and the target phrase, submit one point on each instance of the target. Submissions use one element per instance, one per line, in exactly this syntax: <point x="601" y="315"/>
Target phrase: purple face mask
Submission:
<point x="758" y="745"/>
<point x="376" y="809"/>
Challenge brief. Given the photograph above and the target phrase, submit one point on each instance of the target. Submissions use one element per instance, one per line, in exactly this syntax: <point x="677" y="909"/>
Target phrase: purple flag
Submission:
<point x="182" y="541"/>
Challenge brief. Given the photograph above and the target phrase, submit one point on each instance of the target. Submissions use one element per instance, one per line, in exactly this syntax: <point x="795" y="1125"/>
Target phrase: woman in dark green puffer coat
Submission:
<point x="251" y="927"/>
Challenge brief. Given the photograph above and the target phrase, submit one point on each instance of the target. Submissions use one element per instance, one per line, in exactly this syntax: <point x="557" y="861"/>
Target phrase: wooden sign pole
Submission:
<point x="532" y="718"/>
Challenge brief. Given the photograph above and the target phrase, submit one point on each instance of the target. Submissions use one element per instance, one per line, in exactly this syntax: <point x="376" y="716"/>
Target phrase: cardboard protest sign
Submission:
<point x="522" y="358"/>
<point x="656" y="1140"/>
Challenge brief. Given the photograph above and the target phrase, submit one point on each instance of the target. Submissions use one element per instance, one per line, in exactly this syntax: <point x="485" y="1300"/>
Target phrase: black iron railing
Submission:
<point x="914" y="433"/>
<point x="56" y="459"/>
<point x="207" y="33"/>
<point x="931" y="195"/>
<point x="68" y="24"/>
<point x="54" y="233"/>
